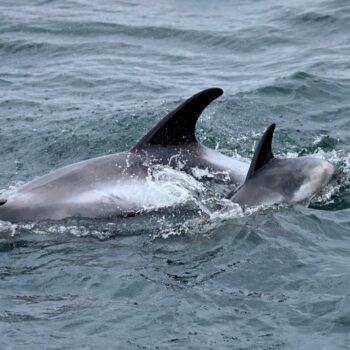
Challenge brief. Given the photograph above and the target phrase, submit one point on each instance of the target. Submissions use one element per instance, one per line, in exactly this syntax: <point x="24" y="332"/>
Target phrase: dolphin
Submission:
<point x="272" y="181"/>
<point x="115" y="185"/>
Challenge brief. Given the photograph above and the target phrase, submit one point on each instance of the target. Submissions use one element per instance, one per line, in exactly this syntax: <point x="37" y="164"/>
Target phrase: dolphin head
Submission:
<point x="275" y="181"/>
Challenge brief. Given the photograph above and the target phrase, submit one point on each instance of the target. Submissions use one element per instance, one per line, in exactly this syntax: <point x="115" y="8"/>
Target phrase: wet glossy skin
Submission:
<point x="105" y="187"/>
<point x="290" y="181"/>
<point x="98" y="188"/>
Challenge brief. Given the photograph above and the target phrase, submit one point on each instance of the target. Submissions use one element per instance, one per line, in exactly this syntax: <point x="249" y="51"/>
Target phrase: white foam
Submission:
<point x="7" y="228"/>
<point x="164" y="187"/>
<point x="201" y="173"/>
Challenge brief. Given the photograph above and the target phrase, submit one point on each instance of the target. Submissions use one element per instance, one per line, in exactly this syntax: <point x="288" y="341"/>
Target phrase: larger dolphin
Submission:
<point x="104" y="187"/>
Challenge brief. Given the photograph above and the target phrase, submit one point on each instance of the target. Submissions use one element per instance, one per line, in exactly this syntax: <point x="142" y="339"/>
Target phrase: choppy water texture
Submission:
<point x="83" y="78"/>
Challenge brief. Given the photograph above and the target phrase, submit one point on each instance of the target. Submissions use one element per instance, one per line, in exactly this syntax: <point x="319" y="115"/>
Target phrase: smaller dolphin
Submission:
<point x="275" y="181"/>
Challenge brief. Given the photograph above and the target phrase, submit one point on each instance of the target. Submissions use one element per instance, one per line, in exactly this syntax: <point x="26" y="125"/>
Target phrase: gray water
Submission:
<point x="79" y="79"/>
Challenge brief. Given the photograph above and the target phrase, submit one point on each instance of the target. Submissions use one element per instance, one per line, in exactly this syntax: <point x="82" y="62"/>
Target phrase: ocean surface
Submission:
<point x="80" y="79"/>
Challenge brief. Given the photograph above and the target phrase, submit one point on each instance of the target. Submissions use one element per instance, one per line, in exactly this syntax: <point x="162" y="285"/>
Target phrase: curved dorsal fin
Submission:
<point x="263" y="153"/>
<point x="178" y="127"/>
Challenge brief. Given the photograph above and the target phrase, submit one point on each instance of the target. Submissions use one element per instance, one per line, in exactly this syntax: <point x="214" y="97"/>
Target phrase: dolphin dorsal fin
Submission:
<point x="178" y="127"/>
<point x="263" y="152"/>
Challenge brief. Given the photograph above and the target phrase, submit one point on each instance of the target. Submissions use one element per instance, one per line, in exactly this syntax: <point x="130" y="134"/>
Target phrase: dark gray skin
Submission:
<point x="114" y="185"/>
<point x="56" y="196"/>
<point x="292" y="181"/>
<point x="275" y="181"/>
<point x="90" y="188"/>
<point x="108" y="186"/>
<point x="84" y="189"/>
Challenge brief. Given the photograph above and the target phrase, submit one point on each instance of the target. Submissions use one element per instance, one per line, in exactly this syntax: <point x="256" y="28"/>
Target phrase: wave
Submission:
<point x="250" y="39"/>
<point x="302" y="85"/>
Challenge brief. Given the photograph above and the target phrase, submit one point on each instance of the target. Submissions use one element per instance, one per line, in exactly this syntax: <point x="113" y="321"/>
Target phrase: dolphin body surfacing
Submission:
<point x="105" y="187"/>
<point x="276" y="181"/>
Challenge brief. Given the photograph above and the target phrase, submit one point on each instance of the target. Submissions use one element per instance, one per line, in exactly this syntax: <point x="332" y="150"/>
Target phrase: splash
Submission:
<point x="7" y="229"/>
